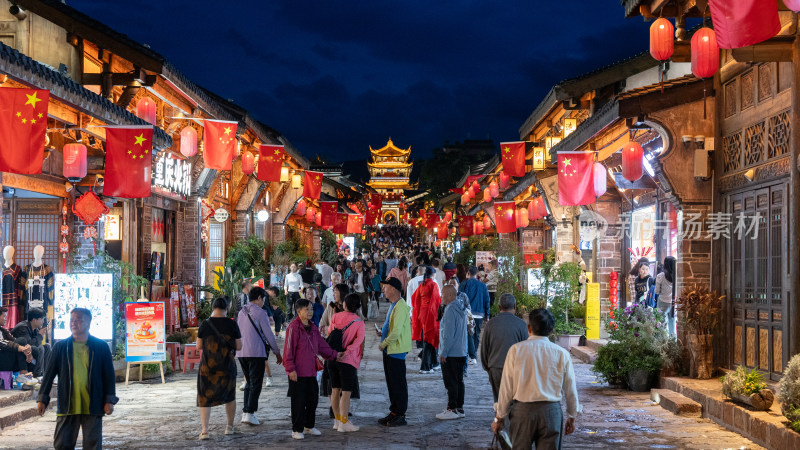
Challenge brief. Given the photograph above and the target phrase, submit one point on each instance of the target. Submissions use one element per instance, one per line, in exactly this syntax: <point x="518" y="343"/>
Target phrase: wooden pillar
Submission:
<point x="794" y="208"/>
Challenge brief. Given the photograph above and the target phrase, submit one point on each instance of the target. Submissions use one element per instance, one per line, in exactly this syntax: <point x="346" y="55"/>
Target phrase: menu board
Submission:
<point x="145" y="332"/>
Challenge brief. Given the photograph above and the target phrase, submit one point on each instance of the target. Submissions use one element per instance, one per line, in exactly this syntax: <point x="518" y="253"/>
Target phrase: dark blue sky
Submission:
<point x="338" y="76"/>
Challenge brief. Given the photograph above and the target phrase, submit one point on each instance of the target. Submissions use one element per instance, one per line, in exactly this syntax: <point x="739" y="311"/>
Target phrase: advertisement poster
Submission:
<point x="483" y="258"/>
<point x="144" y="332"/>
<point x="182" y="304"/>
<point x="191" y="306"/>
<point x="174" y="321"/>
<point x="84" y="290"/>
<point x="593" y="311"/>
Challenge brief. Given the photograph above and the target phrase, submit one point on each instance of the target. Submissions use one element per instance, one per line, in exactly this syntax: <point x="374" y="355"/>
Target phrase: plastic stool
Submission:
<point x="174" y="349"/>
<point x="6" y="378"/>
<point x="191" y="356"/>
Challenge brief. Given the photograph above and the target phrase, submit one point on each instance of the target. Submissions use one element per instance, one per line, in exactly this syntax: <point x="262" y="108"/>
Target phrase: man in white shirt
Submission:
<point x="438" y="275"/>
<point x="414" y="283"/>
<point x="535" y="375"/>
<point x="292" y="284"/>
<point x="326" y="272"/>
<point x="327" y="297"/>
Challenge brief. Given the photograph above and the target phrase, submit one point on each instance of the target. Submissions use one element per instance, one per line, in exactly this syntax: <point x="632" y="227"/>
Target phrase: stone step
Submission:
<point x="584" y="353"/>
<point x="595" y="344"/>
<point x="15" y="396"/>
<point x="12" y="415"/>
<point x="676" y="403"/>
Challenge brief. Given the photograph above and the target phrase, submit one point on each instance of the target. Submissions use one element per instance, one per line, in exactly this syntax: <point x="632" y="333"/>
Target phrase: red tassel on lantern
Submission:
<point x="146" y="110"/>
<point x="487" y="223"/>
<point x="705" y="53"/>
<point x="599" y="177"/>
<point x="74" y="162"/>
<point x="300" y="209"/>
<point x="248" y="163"/>
<point x="494" y="189"/>
<point x="487" y="195"/>
<point x="632" y="154"/>
<point x="662" y="39"/>
<point x="505" y="181"/>
<point x="188" y="142"/>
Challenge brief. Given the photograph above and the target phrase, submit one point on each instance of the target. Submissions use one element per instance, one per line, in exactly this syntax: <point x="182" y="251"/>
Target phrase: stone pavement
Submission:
<point x="155" y="416"/>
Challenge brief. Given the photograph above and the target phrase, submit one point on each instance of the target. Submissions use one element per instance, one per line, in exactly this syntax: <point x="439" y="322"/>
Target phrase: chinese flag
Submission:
<point x="513" y="158"/>
<point x="372" y="217"/>
<point x="312" y="187"/>
<point x="465" y="226"/>
<point x="270" y="160"/>
<point x="129" y="161"/>
<point x="441" y="230"/>
<point x="575" y="178"/>
<point x="354" y="223"/>
<point x="504" y="217"/>
<point x="432" y="219"/>
<point x="340" y="227"/>
<point x="219" y="144"/>
<point x="376" y="200"/>
<point x="23" y="124"/>
<point x="328" y="211"/>
<point x="537" y="209"/>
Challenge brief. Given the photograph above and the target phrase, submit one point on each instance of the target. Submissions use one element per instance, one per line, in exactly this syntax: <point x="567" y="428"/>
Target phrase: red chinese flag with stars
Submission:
<point x="129" y="162"/>
<point x="575" y="178"/>
<point x="465" y="226"/>
<point x="23" y="124"/>
<point x="270" y="161"/>
<point x="372" y="217"/>
<point x="504" y="217"/>
<point x="433" y="218"/>
<point x="328" y="213"/>
<point x="354" y="223"/>
<point x="219" y="144"/>
<point x="376" y="200"/>
<point x="513" y="158"/>
<point x="340" y="227"/>
<point x="312" y="186"/>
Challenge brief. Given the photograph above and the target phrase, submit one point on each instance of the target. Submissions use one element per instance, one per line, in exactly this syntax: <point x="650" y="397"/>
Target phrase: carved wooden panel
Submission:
<point x="777" y="351"/>
<point x="765" y="82"/>
<point x="732" y="149"/>
<point x="730" y="98"/>
<point x="737" y="344"/>
<point x="751" y="347"/>
<point x="763" y="348"/>
<point x="780" y="127"/>
<point x="754" y="144"/>
<point x="785" y="73"/>
<point x="748" y="92"/>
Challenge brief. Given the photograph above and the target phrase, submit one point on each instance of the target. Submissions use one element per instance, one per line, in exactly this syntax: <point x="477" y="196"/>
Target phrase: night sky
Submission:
<point x="337" y="76"/>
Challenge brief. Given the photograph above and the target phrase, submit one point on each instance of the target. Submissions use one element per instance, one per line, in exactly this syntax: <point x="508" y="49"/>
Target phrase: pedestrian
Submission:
<point x="395" y="343"/>
<point x="310" y="294"/>
<point x="292" y="284"/>
<point x="424" y="324"/>
<point x="453" y="352"/>
<point x="478" y="295"/>
<point x="344" y="371"/>
<point x="375" y="282"/>
<point x="535" y="374"/>
<point x="257" y="340"/>
<point x="491" y="281"/>
<point x="274" y="312"/>
<point x="634" y="273"/>
<point x="438" y="274"/>
<point x="663" y="293"/>
<point x="326" y="270"/>
<point x="86" y="385"/>
<point x="219" y="338"/>
<point x="302" y="345"/>
<point x="642" y="284"/>
<point x="339" y="292"/>
<point x="504" y="330"/>
<point x="242" y="298"/>
<point x="359" y="283"/>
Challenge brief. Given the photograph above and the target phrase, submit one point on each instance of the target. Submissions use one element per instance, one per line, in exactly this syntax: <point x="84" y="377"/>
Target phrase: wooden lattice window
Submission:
<point x="754" y="144"/>
<point x="780" y="127"/>
<point x="33" y="230"/>
<point x="731" y="147"/>
<point x="730" y="99"/>
<point x="216" y="242"/>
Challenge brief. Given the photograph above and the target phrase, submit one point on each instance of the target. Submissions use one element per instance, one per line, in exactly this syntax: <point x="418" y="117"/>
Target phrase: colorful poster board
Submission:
<point x="593" y="311"/>
<point x="483" y="257"/>
<point x="145" y="332"/>
<point x="92" y="291"/>
<point x="191" y="305"/>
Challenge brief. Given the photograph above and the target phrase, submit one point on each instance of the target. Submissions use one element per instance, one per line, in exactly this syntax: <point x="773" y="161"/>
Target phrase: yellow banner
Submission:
<point x="593" y="311"/>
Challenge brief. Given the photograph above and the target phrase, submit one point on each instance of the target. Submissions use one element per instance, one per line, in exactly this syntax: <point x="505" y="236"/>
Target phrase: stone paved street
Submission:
<point x="155" y="416"/>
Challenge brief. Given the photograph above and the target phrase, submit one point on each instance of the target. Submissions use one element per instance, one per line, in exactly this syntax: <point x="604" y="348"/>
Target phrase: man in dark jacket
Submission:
<point x="30" y="332"/>
<point x="500" y="333"/>
<point x="86" y="388"/>
<point x="479" y="305"/>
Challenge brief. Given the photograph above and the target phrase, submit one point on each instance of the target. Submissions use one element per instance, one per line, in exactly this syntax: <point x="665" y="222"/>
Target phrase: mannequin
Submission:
<point x="12" y="288"/>
<point x="38" y="283"/>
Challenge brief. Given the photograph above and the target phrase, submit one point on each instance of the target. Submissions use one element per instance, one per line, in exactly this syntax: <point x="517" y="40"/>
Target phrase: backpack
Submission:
<point x="335" y="338"/>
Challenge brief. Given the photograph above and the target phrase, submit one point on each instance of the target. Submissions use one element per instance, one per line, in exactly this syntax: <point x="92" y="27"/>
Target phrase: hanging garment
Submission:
<point x="12" y="295"/>
<point x="38" y="287"/>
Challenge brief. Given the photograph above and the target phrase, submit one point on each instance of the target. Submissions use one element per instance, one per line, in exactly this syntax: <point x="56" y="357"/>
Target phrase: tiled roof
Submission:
<point x="35" y="74"/>
<point x="631" y="7"/>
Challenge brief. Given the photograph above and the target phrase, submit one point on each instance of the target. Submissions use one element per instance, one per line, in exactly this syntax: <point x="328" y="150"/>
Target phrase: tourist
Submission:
<point x="292" y="284"/>
<point x="663" y="293"/>
<point x="395" y="343"/>
<point x="86" y="384"/>
<point x="449" y="268"/>
<point x="504" y="330"/>
<point x="391" y="263"/>
<point x="306" y="272"/>
<point x="257" y="339"/>
<point x="642" y="284"/>
<point x="400" y="273"/>
<point x="29" y="333"/>
<point x="535" y="374"/>
<point x="414" y="283"/>
<point x="310" y="294"/>
<point x="375" y="281"/>
<point x="461" y="273"/>
<point x="14" y="357"/>
<point x="634" y="273"/>
<point x="425" y="327"/>
<point x="438" y="274"/>
<point x="360" y="284"/>
<point x="242" y="298"/>
<point x="319" y="285"/>
<point x="491" y="281"/>
<point x="303" y="344"/>
<point x="339" y="293"/>
<point x="344" y="371"/>
<point x="479" y="305"/>
<point x="276" y="314"/>
<point x="326" y="271"/>
<point x="453" y="352"/>
<point x="381" y="267"/>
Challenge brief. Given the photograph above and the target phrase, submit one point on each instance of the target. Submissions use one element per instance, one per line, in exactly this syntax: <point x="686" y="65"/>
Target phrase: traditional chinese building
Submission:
<point x="389" y="172"/>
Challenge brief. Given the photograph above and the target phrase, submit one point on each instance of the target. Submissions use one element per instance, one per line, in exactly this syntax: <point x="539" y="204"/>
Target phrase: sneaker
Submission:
<point x="473" y="361"/>
<point x="348" y="427"/>
<point x="425" y="371"/>
<point x="312" y="431"/>
<point x="244" y="384"/>
<point x="296" y="435"/>
<point x="26" y="380"/>
<point x="437" y="368"/>
<point x="268" y="382"/>
<point x="397" y="421"/>
<point x="386" y="419"/>
<point x="448" y="415"/>
<point x="250" y="418"/>
<point x="336" y="424"/>
<point x="460" y="413"/>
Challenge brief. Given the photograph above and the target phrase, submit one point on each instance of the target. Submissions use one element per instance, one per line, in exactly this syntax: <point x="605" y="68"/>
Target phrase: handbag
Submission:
<point x="259" y="331"/>
<point x="319" y="363"/>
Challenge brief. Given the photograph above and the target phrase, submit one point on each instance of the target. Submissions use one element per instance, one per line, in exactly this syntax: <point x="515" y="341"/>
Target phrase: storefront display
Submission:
<point x="84" y="290"/>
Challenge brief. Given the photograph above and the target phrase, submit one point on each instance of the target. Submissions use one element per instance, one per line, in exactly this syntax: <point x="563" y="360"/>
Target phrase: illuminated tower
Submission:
<point x="389" y="175"/>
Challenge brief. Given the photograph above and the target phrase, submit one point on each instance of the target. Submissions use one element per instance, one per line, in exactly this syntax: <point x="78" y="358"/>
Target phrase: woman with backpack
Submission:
<point x="345" y="335"/>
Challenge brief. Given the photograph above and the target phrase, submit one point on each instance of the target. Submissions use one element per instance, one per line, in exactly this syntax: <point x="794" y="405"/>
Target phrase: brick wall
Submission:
<point x="694" y="255"/>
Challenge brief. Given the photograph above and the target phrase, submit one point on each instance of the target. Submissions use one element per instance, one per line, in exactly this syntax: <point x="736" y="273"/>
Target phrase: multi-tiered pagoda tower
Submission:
<point x="389" y="172"/>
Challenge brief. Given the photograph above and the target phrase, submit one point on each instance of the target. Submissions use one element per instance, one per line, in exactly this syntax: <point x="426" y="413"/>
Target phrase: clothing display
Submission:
<point x="38" y="287"/>
<point x="12" y="293"/>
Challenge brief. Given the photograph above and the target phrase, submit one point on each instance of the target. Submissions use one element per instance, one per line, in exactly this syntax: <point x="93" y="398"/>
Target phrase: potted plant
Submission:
<point x="789" y="393"/>
<point x="748" y="387"/>
<point x="642" y="362"/>
<point x="700" y="308"/>
<point x="608" y="366"/>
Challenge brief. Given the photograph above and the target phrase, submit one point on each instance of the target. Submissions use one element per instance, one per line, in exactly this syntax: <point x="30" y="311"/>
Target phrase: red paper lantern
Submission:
<point x="494" y="189"/>
<point x="310" y="214"/>
<point x="505" y="181"/>
<point x="599" y="177"/>
<point x="531" y="211"/>
<point x="318" y="218"/>
<point x="794" y="5"/>
<point x="522" y="218"/>
<point x="632" y="154"/>
<point x="477" y="227"/>
<point x="487" y="195"/>
<point x="464" y="198"/>
<point x="448" y="216"/>
<point x="74" y="162"/>
<point x="146" y="110"/>
<point x="662" y="39"/>
<point x="248" y="163"/>
<point x="188" y="142"/>
<point x="471" y="193"/>
<point x="705" y="53"/>
<point x="300" y="209"/>
<point x="487" y="223"/>
<point x="476" y="186"/>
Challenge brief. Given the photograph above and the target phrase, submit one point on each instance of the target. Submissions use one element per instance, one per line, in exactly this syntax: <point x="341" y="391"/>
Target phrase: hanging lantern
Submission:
<point x="310" y="214"/>
<point x="476" y="186"/>
<point x="794" y="5"/>
<point x="300" y="209"/>
<point x="188" y="142"/>
<point x="448" y="216"/>
<point x="465" y="198"/>
<point x="632" y="154"/>
<point x="74" y="162"/>
<point x="146" y="110"/>
<point x="297" y="182"/>
<point x="487" y="195"/>
<point x="599" y="179"/>
<point x="478" y="227"/>
<point x="471" y="193"/>
<point x="284" y="174"/>
<point x="522" y="218"/>
<point x="505" y="181"/>
<point x="487" y="223"/>
<point x="248" y="162"/>
<point x="494" y="189"/>
<point x="318" y="218"/>
<point x="662" y="39"/>
<point x="531" y="211"/>
<point x="705" y="53"/>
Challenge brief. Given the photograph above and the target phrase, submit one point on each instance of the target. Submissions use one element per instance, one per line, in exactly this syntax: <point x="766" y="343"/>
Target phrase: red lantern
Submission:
<point x="471" y="193"/>
<point x="505" y="181"/>
<point x="248" y="163"/>
<point x="146" y="110"/>
<point x="448" y="216"/>
<point x="705" y="53"/>
<point x="310" y="214"/>
<point x="522" y="218"/>
<point x="478" y="227"/>
<point x="487" y="195"/>
<point x="476" y="186"/>
<point x="487" y="223"/>
<point x="464" y="198"/>
<point x="74" y="162"/>
<point x="318" y="218"/>
<point x="300" y="209"/>
<point x="794" y="5"/>
<point x="599" y="176"/>
<point x="531" y="211"/>
<point x="188" y="142"/>
<point x="662" y="39"/>
<point x="632" y="154"/>
<point x="494" y="189"/>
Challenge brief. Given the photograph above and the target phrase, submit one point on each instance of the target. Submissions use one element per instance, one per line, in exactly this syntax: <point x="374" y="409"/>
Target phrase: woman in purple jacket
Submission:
<point x="302" y="345"/>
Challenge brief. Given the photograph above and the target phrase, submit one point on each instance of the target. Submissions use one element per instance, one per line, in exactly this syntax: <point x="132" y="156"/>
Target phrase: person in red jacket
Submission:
<point x="424" y="323"/>
<point x="302" y="345"/>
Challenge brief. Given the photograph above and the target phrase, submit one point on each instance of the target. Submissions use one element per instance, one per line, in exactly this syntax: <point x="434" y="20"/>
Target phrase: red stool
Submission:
<point x="174" y="349"/>
<point x="191" y="356"/>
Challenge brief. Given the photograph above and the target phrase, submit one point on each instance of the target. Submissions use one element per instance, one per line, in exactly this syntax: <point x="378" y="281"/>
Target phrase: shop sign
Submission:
<point x="221" y="215"/>
<point x="145" y="332"/>
<point x="111" y="230"/>
<point x="592" y="225"/>
<point x="172" y="175"/>
<point x="593" y="311"/>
